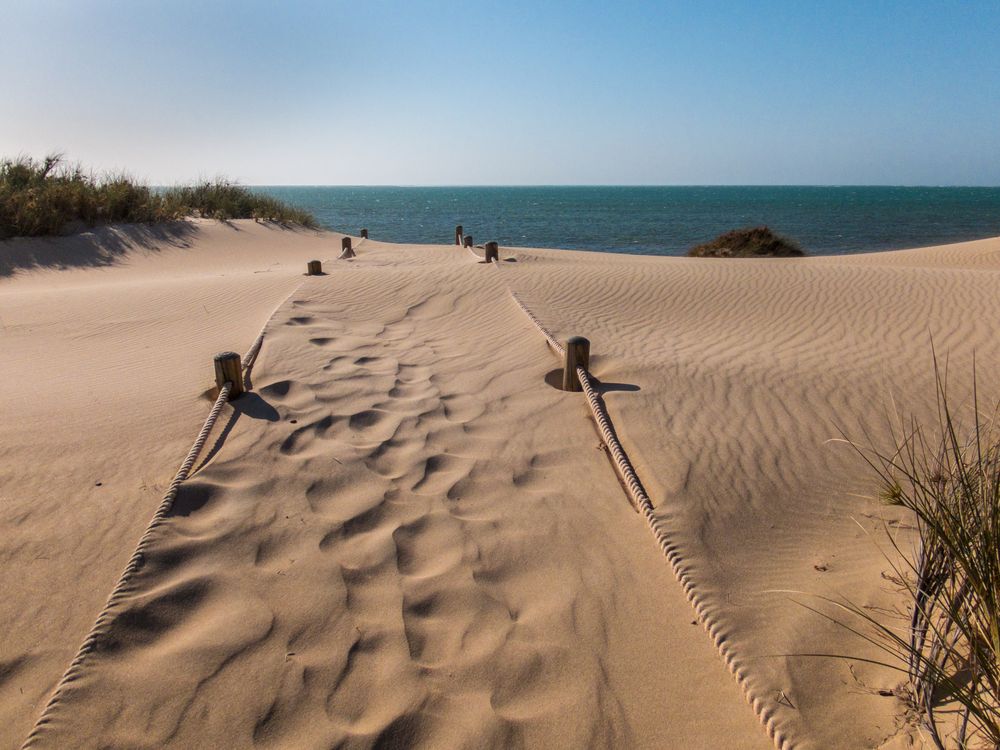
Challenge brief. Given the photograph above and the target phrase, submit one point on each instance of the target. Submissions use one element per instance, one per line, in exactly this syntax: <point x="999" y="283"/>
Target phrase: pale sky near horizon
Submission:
<point x="451" y="93"/>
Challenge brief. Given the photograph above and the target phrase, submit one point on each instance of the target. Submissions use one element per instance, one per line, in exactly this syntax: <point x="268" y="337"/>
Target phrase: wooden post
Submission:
<point x="468" y="240"/>
<point x="364" y="234"/>
<point x="229" y="368"/>
<point x="314" y="268"/>
<point x="458" y="235"/>
<point x="492" y="252"/>
<point x="577" y="355"/>
<point x="346" y="250"/>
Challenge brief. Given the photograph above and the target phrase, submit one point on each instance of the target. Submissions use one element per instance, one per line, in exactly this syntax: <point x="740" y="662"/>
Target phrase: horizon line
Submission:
<point x="616" y="185"/>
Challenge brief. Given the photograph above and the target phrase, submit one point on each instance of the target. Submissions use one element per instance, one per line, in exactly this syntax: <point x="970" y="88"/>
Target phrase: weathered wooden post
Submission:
<point x="364" y="234"/>
<point x="492" y="252"/>
<point x="468" y="240"/>
<point x="458" y="235"/>
<point x="577" y="355"/>
<point x="228" y="368"/>
<point x="314" y="268"/>
<point x="346" y="250"/>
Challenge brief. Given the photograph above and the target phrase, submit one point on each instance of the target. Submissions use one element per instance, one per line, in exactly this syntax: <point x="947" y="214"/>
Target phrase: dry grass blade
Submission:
<point x="951" y="644"/>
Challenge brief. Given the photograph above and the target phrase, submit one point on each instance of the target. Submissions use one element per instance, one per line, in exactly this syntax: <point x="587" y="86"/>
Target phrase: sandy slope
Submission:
<point x="405" y="535"/>
<point x="103" y="368"/>
<point x="747" y="371"/>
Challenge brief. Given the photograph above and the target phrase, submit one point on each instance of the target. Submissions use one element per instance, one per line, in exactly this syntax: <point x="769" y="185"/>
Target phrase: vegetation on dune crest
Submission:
<point x="51" y="197"/>
<point x="223" y="199"/>
<point x="753" y="242"/>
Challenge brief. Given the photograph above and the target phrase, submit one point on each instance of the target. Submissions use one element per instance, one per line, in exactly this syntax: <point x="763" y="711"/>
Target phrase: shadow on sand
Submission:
<point x="248" y="403"/>
<point x="94" y="248"/>
<point x="554" y="379"/>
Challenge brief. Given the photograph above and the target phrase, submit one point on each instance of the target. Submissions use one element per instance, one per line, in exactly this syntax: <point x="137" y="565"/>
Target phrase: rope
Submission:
<point x="636" y="492"/>
<point x="476" y="255"/>
<point x="251" y="356"/>
<point x="472" y="252"/>
<point x="559" y="349"/>
<point x="637" y="495"/>
<point x="123" y="587"/>
<point x="354" y="249"/>
<point x="763" y="708"/>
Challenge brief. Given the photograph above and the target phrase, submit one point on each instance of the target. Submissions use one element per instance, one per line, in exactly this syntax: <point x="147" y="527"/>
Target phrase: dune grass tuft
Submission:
<point x="948" y="643"/>
<point x="223" y="199"/>
<point x="752" y="242"/>
<point x="51" y="197"/>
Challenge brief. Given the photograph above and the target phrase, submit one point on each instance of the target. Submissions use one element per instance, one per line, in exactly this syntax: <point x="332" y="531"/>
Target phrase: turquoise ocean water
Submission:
<point x="658" y="220"/>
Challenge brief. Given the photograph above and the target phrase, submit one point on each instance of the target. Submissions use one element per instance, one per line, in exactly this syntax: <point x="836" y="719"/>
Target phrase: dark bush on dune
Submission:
<point x="754" y="242"/>
<point x="51" y="197"/>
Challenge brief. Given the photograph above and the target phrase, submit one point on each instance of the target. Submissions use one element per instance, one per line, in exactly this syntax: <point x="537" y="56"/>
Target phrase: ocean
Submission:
<point x="658" y="220"/>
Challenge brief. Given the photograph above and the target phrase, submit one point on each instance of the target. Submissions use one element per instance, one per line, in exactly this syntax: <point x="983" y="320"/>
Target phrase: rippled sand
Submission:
<point x="405" y="536"/>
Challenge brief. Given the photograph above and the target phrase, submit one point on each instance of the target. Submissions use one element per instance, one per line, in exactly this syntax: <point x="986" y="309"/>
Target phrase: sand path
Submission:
<point x="407" y="537"/>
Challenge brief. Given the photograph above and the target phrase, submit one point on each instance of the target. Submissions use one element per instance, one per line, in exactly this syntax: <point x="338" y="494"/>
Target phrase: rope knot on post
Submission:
<point x="492" y="252"/>
<point x="468" y="240"/>
<point x="364" y="234"/>
<point x="458" y="235"/>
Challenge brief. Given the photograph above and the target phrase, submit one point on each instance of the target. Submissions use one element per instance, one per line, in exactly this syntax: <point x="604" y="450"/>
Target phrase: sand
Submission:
<point x="404" y="535"/>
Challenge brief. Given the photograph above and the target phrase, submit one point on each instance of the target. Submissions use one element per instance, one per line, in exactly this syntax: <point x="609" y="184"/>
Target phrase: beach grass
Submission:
<point x="948" y="643"/>
<point x="53" y="197"/>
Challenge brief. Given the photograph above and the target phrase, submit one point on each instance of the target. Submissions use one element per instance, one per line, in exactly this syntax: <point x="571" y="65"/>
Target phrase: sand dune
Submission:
<point x="405" y="536"/>
<point x="104" y="368"/>
<point x="746" y="372"/>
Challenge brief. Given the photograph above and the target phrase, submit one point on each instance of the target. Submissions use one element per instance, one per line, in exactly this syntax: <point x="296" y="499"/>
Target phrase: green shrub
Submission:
<point x="753" y="242"/>
<point x="50" y="197"/>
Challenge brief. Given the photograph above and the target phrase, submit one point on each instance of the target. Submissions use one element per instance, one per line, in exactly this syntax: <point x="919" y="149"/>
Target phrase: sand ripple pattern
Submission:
<point x="405" y="538"/>
<point x="123" y="587"/>
<point x="748" y="372"/>
<point x="641" y="502"/>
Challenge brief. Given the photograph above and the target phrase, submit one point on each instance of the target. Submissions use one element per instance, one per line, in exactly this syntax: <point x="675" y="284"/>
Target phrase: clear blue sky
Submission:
<point x="509" y="92"/>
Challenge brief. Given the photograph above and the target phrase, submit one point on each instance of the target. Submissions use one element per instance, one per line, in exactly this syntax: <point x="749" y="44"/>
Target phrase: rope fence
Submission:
<point x="231" y="380"/>
<point x="763" y="707"/>
<point x="637" y="495"/>
<point x="124" y="585"/>
<point x="491" y="249"/>
<point x="635" y="491"/>
<point x="623" y="466"/>
<point x="348" y="251"/>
